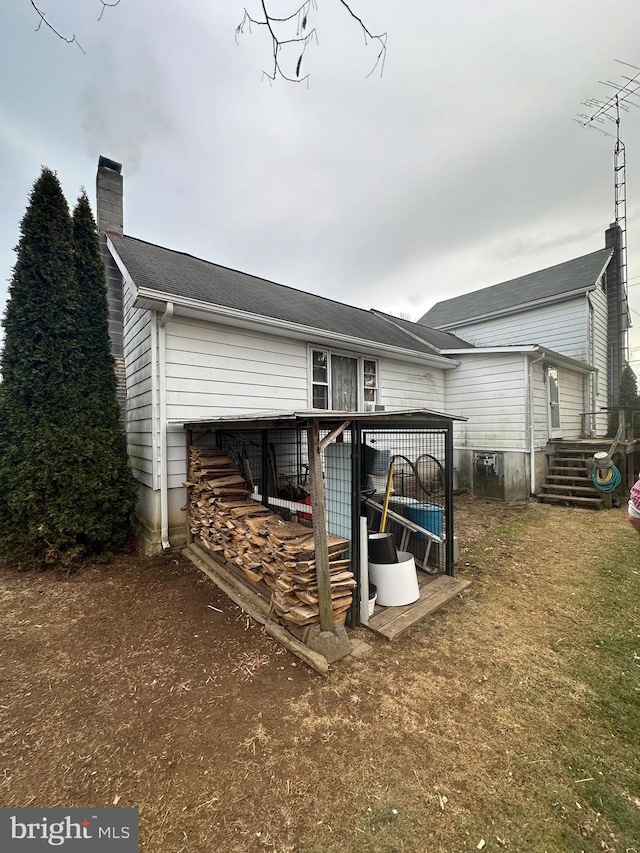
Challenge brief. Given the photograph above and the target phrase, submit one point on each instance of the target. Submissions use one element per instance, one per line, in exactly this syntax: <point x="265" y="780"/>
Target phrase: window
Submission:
<point x="553" y="399"/>
<point x="320" y="379"/>
<point x="343" y="382"/>
<point x="370" y="381"/>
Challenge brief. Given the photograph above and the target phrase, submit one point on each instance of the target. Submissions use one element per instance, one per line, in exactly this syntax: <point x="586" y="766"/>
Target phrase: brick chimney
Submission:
<point x="110" y="219"/>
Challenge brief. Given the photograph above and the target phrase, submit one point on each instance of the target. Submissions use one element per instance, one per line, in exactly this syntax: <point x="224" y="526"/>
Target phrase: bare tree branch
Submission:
<point x="43" y="20"/>
<point x="277" y="43"/>
<point x="303" y="37"/>
<point x="104" y="6"/>
<point x="381" y="38"/>
<point x="73" y="40"/>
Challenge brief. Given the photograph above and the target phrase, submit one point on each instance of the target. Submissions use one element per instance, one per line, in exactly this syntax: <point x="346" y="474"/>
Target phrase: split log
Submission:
<point x="225" y="521"/>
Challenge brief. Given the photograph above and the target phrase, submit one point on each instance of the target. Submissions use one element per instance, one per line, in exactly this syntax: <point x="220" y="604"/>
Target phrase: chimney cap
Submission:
<point x="106" y="163"/>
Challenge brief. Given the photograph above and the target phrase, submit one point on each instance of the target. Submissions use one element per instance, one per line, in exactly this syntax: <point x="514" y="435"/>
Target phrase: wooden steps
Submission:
<point x="568" y="481"/>
<point x="390" y="622"/>
<point x="572" y="500"/>
<point x="561" y="488"/>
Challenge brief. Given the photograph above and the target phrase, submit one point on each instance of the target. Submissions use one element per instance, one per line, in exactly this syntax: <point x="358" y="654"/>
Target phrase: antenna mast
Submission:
<point x="601" y="112"/>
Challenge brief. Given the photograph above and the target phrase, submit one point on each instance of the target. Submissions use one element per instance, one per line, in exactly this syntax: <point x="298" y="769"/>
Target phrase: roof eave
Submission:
<point x="122" y="267"/>
<point x="528" y="349"/>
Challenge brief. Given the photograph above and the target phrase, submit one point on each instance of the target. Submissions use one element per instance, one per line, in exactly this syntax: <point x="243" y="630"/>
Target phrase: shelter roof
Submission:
<point x="326" y="419"/>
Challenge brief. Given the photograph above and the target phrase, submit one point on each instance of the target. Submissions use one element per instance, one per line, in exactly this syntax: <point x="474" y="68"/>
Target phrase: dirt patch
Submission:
<point x="120" y="674"/>
<point x="139" y="684"/>
<point x="476" y="518"/>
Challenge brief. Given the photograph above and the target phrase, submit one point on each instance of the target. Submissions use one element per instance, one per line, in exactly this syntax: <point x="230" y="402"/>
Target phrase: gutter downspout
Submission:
<point x="164" y="474"/>
<point x="532" y="439"/>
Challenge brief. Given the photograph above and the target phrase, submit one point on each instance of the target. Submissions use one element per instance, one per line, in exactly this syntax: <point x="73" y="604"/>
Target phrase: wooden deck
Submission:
<point x="390" y="622"/>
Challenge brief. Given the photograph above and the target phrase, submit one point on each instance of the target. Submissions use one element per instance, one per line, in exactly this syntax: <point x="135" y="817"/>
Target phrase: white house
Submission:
<point x="548" y="350"/>
<point x="195" y="340"/>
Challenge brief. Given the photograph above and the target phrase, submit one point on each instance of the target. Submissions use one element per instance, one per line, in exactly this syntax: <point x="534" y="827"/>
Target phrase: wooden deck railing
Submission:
<point x="625" y="423"/>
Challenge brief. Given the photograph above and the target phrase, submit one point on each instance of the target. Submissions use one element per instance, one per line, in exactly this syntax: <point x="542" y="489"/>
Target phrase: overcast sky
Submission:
<point x="459" y="168"/>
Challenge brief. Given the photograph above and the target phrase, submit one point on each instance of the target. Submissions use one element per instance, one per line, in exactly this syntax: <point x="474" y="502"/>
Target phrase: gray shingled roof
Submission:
<point x="439" y="339"/>
<point x="577" y="274"/>
<point x="177" y="274"/>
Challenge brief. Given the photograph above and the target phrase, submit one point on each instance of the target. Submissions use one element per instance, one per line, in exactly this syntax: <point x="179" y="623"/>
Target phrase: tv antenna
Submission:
<point x="601" y="116"/>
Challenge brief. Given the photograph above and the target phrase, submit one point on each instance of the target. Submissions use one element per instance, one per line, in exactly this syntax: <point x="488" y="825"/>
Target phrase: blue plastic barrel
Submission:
<point x="427" y="515"/>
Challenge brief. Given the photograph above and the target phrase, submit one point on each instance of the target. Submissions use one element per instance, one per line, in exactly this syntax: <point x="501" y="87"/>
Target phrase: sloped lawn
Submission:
<point x="509" y="721"/>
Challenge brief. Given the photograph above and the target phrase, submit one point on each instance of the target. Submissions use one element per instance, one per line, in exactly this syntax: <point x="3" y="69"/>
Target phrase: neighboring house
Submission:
<point x="548" y="351"/>
<point x="195" y="340"/>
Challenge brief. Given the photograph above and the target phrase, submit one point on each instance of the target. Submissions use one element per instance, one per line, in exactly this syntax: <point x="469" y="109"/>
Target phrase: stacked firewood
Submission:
<point x="226" y="521"/>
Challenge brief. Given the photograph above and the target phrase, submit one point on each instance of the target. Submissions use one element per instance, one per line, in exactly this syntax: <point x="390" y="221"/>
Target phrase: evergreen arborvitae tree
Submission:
<point x="96" y="367"/>
<point x="65" y="485"/>
<point x="628" y="391"/>
<point x="627" y="399"/>
<point x="37" y="323"/>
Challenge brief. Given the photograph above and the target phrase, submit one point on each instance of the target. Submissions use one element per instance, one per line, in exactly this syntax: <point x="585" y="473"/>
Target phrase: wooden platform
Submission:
<point x="390" y="622"/>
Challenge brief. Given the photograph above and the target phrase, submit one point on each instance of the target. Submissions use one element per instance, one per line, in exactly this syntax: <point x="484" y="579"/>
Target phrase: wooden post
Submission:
<point x="629" y="468"/>
<point x="316" y="485"/>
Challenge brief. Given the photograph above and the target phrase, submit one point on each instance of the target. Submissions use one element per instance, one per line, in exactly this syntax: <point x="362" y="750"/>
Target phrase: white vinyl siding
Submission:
<point x="598" y="300"/>
<point x="214" y="370"/>
<point x="540" y="406"/>
<point x="176" y="455"/>
<point x="561" y="326"/>
<point x="488" y="389"/>
<point x="138" y="358"/>
<point x="219" y="370"/>
<point x="570" y="387"/>
<point x="572" y="403"/>
<point x="410" y="386"/>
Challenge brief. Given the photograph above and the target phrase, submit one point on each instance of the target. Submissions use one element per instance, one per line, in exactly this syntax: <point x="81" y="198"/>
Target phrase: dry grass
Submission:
<point x="484" y="723"/>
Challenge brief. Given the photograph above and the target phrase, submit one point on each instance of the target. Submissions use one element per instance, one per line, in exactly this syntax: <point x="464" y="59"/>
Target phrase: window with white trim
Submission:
<point x="343" y="382"/>
<point x="320" y="368"/>
<point x="370" y="369"/>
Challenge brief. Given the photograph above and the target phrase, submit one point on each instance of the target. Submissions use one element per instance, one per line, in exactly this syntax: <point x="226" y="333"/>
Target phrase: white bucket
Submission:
<point x="373" y="595"/>
<point x="397" y="583"/>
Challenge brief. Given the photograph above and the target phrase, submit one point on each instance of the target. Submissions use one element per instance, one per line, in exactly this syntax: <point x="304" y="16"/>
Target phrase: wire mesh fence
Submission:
<point x="365" y="468"/>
